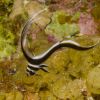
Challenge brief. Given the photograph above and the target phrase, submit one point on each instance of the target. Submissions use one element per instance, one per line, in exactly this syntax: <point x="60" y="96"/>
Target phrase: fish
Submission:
<point x="36" y="62"/>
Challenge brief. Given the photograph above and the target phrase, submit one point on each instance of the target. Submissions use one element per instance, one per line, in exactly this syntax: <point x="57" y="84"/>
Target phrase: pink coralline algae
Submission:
<point x="87" y="25"/>
<point x="51" y="38"/>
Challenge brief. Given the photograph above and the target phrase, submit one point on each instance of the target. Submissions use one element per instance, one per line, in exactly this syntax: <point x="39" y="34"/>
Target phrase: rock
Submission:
<point x="17" y="9"/>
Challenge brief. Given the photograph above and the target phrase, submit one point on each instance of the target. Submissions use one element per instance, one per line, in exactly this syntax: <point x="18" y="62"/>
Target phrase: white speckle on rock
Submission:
<point x="25" y="2"/>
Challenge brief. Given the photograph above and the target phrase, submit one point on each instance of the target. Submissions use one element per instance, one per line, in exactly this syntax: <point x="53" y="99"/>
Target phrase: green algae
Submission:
<point x="75" y="17"/>
<point x="2" y="96"/>
<point x="95" y="12"/>
<point x="46" y="95"/>
<point x="15" y="95"/>
<point x="69" y="90"/>
<point x="6" y="42"/>
<point x="5" y="8"/>
<point x="60" y="27"/>
<point x="31" y="96"/>
<point x="93" y="81"/>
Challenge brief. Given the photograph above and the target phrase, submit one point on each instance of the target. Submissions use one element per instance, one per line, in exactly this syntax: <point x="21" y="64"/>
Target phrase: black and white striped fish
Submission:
<point x="36" y="62"/>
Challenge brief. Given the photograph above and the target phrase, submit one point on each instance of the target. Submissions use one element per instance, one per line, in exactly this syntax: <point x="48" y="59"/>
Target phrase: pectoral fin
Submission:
<point x="43" y="67"/>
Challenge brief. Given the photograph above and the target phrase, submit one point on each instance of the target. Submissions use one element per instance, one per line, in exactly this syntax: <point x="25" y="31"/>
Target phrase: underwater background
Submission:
<point x="73" y="74"/>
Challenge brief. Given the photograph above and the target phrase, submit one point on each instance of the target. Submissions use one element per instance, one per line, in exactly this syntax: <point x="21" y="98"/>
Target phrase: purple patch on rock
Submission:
<point x="51" y="38"/>
<point x="87" y="24"/>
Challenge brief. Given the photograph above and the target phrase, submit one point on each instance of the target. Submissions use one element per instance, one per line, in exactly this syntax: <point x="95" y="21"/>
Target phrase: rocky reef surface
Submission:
<point x="73" y="74"/>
